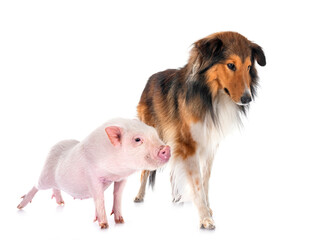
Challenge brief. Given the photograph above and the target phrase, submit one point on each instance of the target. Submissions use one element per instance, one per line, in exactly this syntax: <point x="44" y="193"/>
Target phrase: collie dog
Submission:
<point x="195" y="106"/>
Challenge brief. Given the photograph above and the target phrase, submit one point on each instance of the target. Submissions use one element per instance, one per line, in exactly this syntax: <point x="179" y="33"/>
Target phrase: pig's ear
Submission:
<point x="114" y="134"/>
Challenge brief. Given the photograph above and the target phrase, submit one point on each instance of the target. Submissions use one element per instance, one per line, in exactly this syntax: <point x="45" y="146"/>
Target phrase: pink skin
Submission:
<point x="164" y="153"/>
<point x="108" y="155"/>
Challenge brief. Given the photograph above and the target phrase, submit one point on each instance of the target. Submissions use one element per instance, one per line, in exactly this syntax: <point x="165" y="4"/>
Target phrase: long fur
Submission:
<point x="195" y="106"/>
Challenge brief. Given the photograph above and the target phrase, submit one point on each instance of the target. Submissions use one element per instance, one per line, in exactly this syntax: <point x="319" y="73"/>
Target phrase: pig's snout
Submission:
<point x="164" y="153"/>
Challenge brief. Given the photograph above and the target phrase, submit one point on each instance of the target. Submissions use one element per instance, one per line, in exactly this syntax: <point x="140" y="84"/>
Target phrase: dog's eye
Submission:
<point x="249" y="67"/>
<point x="231" y="66"/>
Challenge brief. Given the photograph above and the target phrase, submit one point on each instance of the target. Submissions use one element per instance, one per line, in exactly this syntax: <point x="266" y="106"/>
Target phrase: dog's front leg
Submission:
<point x="206" y="167"/>
<point x="198" y="193"/>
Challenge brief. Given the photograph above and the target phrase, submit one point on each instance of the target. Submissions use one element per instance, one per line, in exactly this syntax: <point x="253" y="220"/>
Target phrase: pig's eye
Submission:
<point x="138" y="140"/>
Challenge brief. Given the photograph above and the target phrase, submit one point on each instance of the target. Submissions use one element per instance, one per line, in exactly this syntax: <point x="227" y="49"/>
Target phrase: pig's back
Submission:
<point x="56" y="155"/>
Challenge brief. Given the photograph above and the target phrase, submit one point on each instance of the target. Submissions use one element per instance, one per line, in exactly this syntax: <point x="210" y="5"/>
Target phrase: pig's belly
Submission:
<point x="73" y="182"/>
<point x="81" y="189"/>
<point x="76" y="191"/>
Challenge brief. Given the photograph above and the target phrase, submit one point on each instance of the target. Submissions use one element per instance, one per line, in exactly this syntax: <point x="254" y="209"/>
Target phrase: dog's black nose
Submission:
<point x="246" y="98"/>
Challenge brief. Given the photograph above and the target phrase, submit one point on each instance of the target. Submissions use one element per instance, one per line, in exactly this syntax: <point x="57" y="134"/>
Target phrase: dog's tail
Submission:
<point x="152" y="178"/>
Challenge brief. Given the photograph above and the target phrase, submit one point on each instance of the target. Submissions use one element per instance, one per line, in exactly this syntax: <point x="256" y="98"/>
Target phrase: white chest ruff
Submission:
<point x="208" y="134"/>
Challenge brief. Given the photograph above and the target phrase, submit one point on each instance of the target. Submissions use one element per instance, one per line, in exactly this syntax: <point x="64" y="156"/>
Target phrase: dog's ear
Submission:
<point x="209" y="51"/>
<point x="258" y="54"/>
<point x="209" y="48"/>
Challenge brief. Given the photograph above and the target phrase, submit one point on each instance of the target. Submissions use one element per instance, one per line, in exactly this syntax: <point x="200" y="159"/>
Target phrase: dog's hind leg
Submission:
<point x="141" y="192"/>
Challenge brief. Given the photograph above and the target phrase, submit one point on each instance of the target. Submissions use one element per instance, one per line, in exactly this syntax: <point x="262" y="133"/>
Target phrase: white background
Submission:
<point x="68" y="66"/>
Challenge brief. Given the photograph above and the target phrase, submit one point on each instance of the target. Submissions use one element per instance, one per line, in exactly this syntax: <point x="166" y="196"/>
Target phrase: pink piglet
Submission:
<point x="108" y="155"/>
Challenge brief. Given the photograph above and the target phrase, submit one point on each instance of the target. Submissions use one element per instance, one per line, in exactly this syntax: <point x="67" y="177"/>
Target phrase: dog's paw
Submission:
<point x="139" y="199"/>
<point x="207" y="223"/>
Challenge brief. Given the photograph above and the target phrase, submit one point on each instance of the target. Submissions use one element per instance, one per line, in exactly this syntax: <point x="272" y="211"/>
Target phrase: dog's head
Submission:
<point x="227" y="61"/>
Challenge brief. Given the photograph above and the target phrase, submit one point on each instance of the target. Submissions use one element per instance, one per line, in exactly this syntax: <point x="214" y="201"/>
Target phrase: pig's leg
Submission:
<point x="97" y="189"/>
<point x="141" y="192"/>
<point x="27" y="198"/>
<point x="58" y="196"/>
<point x="100" y="210"/>
<point x="118" y="190"/>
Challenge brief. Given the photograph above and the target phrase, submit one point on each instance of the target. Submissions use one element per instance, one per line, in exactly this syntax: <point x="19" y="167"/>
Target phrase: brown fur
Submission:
<point x="175" y="99"/>
<point x="220" y="77"/>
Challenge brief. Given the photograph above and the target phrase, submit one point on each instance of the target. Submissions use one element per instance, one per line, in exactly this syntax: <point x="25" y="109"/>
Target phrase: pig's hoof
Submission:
<point x="138" y="199"/>
<point x="58" y="197"/>
<point x="103" y="225"/>
<point x="207" y="223"/>
<point x="23" y="203"/>
<point x="119" y="219"/>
